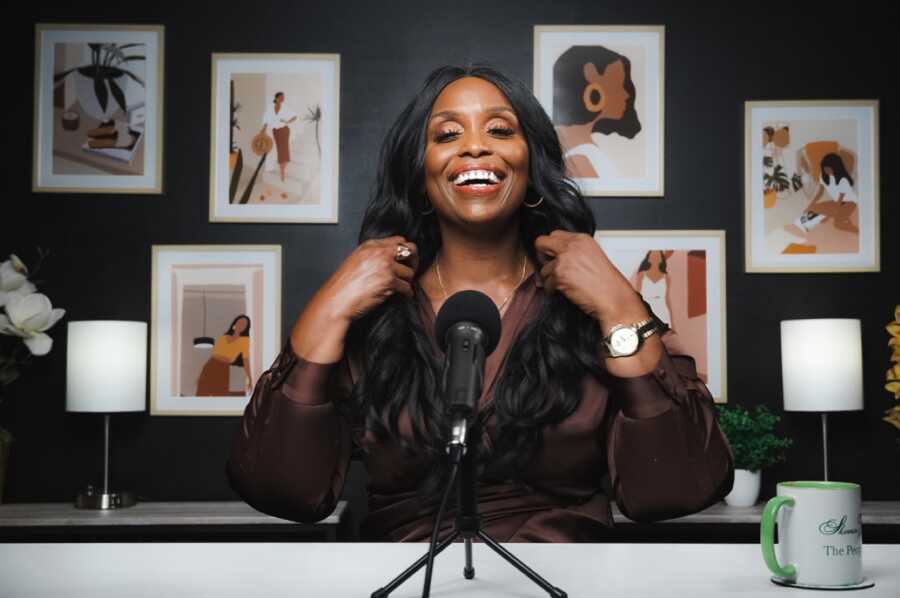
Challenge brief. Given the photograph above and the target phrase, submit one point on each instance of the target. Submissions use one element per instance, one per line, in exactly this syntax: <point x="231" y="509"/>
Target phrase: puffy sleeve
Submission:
<point x="290" y="455"/>
<point x="666" y="454"/>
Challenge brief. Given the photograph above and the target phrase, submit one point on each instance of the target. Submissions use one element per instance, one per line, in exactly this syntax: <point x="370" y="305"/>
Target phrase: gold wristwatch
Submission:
<point x="625" y="339"/>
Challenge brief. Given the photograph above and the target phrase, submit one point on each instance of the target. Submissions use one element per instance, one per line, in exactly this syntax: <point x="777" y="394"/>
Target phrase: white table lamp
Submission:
<point x="821" y="368"/>
<point x="106" y="372"/>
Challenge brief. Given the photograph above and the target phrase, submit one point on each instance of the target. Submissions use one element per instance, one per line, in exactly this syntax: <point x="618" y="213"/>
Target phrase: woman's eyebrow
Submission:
<point x="454" y="114"/>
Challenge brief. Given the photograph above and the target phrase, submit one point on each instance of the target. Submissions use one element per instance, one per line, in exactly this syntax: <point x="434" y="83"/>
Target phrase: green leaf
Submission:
<point x="751" y="436"/>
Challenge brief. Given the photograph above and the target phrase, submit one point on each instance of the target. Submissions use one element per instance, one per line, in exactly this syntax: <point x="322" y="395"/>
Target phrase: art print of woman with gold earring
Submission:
<point x="592" y="93"/>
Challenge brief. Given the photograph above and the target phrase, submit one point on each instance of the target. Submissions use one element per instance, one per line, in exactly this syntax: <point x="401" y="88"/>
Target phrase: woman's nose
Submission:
<point x="474" y="144"/>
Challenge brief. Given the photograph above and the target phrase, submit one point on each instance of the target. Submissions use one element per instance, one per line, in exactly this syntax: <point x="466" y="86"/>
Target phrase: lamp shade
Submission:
<point x="821" y="365"/>
<point x="106" y="366"/>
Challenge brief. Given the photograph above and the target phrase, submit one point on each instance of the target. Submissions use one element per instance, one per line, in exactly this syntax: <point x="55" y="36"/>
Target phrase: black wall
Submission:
<point x="717" y="56"/>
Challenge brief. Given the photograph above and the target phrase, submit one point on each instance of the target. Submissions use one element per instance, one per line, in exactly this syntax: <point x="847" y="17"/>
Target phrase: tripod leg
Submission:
<point x="512" y="560"/>
<point x="469" y="571"/>
<point x="395" y="583"/>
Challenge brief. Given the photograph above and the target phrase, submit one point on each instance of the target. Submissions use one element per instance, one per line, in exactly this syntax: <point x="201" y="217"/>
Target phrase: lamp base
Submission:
<point x="91" y="499"/>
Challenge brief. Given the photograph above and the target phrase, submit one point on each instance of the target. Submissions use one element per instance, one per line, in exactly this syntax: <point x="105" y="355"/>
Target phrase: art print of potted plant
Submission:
<point x="755" y="446"/>
<point x="775" y="180"/>
<point x="25" y="317"/>
<point x="101" y="87"/>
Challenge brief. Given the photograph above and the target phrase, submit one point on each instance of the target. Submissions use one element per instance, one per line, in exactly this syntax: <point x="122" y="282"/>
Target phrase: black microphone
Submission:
<point x="468" y="330"/>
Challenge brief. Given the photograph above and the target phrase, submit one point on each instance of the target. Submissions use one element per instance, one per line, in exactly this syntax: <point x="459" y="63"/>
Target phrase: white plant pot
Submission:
<point x="87" y="97"/>
<point x="746" y="488"/>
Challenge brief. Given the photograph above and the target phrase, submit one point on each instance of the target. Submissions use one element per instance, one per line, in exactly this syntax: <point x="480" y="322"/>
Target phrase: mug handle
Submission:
<point x="767" y="536"/>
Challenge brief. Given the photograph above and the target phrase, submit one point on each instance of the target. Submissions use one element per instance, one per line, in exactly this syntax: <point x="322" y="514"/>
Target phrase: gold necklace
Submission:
<point x="437" y="267"/>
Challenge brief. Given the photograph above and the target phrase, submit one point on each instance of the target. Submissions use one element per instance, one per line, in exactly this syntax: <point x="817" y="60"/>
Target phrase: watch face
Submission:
<point x="624" y="341"/>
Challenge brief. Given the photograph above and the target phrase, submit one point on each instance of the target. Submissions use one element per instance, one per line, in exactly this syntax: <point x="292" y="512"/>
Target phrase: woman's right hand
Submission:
<point x="364" y="280"/>
<point x="370" y="275"/>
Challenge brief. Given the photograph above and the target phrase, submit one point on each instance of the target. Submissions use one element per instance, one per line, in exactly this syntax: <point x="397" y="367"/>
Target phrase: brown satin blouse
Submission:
<point x="655" y="435"/>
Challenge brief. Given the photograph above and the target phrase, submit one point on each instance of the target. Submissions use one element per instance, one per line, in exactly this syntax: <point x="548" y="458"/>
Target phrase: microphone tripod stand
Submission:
<point x="468" y="526"/>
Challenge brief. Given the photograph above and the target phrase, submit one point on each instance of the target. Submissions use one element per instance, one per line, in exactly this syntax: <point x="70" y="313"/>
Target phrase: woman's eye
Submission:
<point x="445" y="136"/>
<point x="502" y="131"/>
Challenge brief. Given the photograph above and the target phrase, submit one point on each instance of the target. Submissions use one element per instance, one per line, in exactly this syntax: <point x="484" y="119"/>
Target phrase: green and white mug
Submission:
<point x="820" y="534"/>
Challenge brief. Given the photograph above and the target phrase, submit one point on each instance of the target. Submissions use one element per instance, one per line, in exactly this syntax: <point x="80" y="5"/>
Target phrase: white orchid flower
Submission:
<point x="14" y="280"/>
<point x="26" y="289"/>
<point x="29" y="317"/>
<point x="13" y="274"/>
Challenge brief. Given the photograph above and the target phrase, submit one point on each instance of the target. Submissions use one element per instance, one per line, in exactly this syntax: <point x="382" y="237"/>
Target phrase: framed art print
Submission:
<point x="604" y="89"/>
<point x="681" y="275"/>
<point x="275" y="136"/>
<point x="98" y="109"/>
<point x="216" y="326"/>
<point x="811" y="198"/>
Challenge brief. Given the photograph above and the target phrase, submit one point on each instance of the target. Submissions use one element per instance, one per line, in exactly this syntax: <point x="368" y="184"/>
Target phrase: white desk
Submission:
<point x="326" y="570"/>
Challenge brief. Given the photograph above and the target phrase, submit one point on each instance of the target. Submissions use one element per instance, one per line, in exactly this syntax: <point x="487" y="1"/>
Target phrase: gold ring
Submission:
<point x="403" y="252"/>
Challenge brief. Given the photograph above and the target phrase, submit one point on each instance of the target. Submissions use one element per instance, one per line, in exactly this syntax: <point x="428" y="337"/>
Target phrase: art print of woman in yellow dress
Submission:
<point x="230" y="349"/>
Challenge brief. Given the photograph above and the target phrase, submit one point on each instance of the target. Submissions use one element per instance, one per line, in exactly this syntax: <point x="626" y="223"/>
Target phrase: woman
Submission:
<point x="230" y="349"/>
<point x="653" y="282"/>
<point x="837" y="182"/>
<point x="278" y="116"/>
<point x="471" y="195"/>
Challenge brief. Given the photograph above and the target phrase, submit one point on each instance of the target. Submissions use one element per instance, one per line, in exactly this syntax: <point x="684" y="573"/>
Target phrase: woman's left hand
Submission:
<point x="576" y="265"/>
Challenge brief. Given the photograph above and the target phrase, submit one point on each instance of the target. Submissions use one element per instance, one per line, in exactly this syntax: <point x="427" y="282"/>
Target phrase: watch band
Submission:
<point x="646" y="327"/>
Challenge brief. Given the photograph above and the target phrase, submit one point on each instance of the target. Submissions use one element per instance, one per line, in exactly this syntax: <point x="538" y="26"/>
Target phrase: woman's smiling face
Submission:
<point x="476" y="156"/>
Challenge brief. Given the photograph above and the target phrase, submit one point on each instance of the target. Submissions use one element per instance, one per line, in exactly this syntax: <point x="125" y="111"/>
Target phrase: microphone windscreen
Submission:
<point x="469" y="306"/>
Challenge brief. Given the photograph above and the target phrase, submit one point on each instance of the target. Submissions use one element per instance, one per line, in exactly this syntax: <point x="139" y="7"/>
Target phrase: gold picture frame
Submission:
<point x="197" y="292"/>
<point x="245" y="184"/>
<point x="792" y="224"/>
<point x="694" y="306"/>
<point x="630" y="141"/>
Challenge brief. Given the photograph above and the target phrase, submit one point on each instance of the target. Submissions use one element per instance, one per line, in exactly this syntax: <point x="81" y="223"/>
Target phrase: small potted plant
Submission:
<point x="755" y="446"/>
<point x="775" y="180"/>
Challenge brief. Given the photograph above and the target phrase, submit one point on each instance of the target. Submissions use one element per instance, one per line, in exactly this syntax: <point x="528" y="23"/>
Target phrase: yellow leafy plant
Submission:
<point x="892" y="415"/>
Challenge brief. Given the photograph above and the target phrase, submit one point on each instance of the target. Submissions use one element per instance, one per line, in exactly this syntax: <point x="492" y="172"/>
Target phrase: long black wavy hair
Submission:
<point x="541" y="380"/>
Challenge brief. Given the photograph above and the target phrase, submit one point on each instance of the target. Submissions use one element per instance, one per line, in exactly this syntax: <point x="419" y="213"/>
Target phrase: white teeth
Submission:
<point x="475" y="174"/>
